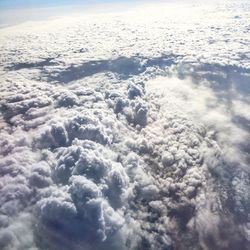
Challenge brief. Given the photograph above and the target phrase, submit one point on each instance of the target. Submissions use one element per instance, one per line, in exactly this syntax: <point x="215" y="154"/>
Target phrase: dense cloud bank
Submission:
<point x="110" y="141"/>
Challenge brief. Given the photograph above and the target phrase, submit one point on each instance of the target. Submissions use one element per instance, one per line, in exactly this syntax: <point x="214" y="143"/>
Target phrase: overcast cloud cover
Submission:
<point x="127" y="129"/>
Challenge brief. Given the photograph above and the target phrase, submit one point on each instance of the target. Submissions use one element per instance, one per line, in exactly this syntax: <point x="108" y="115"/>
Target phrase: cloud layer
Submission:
<point x="119" y="132"/>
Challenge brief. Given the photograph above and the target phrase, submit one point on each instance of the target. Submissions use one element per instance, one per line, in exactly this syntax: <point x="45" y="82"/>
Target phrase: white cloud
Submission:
<point x="116" y="132"/>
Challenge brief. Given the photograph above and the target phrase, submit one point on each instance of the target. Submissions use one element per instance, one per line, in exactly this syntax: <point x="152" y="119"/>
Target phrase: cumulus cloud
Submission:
<point x="103" y="147"/>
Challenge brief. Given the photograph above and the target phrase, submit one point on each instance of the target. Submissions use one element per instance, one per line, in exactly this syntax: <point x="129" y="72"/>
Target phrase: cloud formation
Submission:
<point x="105" y="148"/>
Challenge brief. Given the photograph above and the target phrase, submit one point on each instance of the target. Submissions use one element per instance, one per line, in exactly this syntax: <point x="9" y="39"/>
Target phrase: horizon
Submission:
<point x="20" y="11"/>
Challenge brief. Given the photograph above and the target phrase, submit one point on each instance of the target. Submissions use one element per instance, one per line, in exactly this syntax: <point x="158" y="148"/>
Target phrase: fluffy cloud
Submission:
<point x="105" y="148"/>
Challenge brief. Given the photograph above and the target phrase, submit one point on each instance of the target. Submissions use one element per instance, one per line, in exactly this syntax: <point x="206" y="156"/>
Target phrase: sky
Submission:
<point x="5" y="4"/>
<point x="19" y="11"/>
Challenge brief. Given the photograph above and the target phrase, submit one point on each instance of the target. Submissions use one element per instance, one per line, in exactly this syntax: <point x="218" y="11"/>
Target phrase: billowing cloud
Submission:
<point x="120" y="132"/>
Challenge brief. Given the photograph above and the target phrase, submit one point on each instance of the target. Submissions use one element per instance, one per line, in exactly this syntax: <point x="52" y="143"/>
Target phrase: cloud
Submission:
<point x="18" y="235"/>
<point x="122" y="144"/>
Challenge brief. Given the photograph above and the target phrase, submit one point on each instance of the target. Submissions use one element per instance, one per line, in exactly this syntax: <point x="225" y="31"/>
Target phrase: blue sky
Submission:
<point x="16" y="11"/>
<point x="10" y="4"/>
